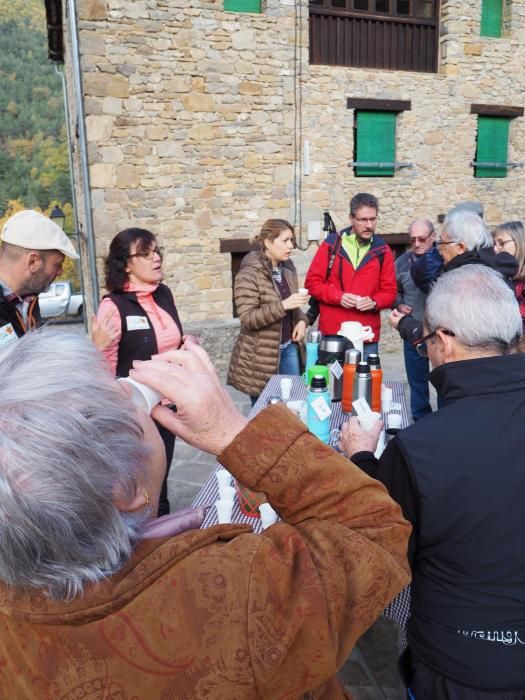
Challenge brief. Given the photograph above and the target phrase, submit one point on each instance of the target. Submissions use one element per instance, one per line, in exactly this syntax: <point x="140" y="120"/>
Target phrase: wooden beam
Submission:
<point x="496" y="110"/>
<point x="379" y="105"/>
<point x="236" y="245"/>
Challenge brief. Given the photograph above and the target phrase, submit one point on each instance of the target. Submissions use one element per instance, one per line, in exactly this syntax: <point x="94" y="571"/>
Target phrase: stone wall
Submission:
<point x="196" y="120"/>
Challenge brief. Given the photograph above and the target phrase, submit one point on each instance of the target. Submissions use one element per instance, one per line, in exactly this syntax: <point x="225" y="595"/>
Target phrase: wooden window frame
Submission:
<point x="373" y="39"/>
<point x="361" y="105"/>
<point x="500" y="112"/>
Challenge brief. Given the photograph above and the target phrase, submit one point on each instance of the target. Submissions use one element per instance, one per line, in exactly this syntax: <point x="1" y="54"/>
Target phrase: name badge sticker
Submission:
<point x="321" y="408"/>
<point x="7" y="335"/>
<point x="137" y="323"/>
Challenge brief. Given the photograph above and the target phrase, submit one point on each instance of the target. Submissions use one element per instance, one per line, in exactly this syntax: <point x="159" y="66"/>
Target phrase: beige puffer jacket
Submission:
<point x="255" y="355"/>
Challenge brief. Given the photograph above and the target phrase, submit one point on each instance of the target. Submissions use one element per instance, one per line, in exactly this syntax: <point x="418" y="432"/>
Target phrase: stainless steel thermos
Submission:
<point x="362" y="383"/>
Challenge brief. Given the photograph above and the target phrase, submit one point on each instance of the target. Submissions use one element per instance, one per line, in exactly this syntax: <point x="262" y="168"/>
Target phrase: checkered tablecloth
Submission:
<point x="398" y="609"/>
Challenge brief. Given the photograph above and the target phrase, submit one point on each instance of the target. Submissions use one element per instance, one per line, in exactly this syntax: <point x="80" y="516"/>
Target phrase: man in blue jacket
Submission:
<point x="464" y="240"/>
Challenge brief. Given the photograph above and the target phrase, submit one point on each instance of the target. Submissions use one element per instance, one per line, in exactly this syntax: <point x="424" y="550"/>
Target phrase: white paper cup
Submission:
<point x="224" y="478"/>
<point x="302" y="290"/>
<point x="268" y="515"/>
<point x="227" y="493"/>
<point x="224" y="511"/>
<point x="141" y="395"/>
<point x="368" y="420"/>
<point x="286" y="388"/>
<point x="393" y="421"/>
<point x="386" y="399"/>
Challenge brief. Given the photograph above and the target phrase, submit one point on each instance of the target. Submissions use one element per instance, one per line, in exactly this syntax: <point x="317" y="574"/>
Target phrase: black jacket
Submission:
<point x="411" y="329"/>
<point x="458" y="477"/>
<point x="140" y="344"/>
<point x="9" y="314"/>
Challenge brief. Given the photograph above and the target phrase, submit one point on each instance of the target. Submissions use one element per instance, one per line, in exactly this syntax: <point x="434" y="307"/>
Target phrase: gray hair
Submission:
<point x="363" y="199"/>
<point x="475" y="303"/>
<point x="469" y="228"/>
<point x="69" y="442"/>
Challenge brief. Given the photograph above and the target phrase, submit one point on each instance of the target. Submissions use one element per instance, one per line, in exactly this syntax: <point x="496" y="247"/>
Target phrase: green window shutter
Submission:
<point x="376" y="143"/>
<point x="492" y="146"/>
<point x="242" y="5"/>
<point x="491" y="17"/>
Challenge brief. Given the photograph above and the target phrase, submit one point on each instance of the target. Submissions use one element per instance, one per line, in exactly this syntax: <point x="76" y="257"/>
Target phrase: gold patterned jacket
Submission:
<point x="223" y="613"/>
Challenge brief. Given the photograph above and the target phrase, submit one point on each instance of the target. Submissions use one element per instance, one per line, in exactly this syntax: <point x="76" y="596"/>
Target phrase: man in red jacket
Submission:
<point x="362" y="279"/>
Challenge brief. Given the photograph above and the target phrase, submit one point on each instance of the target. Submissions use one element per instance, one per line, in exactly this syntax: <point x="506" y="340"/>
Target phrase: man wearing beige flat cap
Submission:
<point x="31" y="257"/>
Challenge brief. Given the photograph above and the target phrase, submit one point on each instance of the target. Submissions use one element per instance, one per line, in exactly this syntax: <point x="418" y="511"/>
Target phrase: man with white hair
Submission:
<point x="31" y="257"/>
<point x="464" y="240"/>
<point x="456" y="473"/>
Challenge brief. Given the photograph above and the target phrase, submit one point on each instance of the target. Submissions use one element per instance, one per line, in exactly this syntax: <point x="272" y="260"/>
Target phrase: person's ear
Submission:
<point x="34" y="261"/>
<point x="446" y="345"/>
<point x="139" y="500"/>
<point x="461" y="247"/>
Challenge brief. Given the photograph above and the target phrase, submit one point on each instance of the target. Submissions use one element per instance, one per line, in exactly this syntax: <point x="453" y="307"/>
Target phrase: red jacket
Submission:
<point x="374" y="277"/>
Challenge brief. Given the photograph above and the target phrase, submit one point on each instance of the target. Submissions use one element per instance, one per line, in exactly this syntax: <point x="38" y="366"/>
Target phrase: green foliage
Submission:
<point x="34" y="165"/>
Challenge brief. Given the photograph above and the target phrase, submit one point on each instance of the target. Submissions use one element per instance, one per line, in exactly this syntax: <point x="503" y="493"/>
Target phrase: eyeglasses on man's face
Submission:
<point x="148" y="254"/>
<point x="421" y="347"/>
<point x="441" y="242"/>
<point x="366" y="219"/>
<point x="420" y="239"/>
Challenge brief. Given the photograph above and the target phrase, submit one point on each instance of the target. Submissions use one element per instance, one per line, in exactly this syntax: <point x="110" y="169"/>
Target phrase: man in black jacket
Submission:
<point x="458" y="476"/>
<point x="33" y="250"/>
<point x="464" y="240"/>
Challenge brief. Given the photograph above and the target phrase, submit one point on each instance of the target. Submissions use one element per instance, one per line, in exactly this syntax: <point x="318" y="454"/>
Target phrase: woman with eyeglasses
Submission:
<point x="510" y="238"/>
<point x="142" y="313"/>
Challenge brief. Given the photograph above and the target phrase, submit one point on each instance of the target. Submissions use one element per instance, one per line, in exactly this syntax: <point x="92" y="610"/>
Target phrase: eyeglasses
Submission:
<point x="440" y="242"/>
<point x="500" y="245"/>
<point x="365" y="219"/>
<point x="420" y="239"/>
<point x="148" y="254"/>
<point x="421" y="347"/>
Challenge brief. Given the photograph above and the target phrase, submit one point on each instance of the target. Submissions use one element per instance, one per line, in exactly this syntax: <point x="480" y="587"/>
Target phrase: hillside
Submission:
<point x="34" y="167"/>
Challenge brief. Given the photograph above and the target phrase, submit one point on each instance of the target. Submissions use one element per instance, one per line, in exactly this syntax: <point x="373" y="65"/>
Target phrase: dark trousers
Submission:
<point x="169" y="445"/>
<point x="417" y="374"/>
<point x="426" y="684"/>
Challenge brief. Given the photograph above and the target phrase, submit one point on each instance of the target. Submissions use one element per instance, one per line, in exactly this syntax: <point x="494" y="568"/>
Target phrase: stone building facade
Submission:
<point x="201" y="123"/>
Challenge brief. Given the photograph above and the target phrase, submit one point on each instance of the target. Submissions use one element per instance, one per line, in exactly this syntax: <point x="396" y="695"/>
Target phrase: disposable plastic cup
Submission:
<point x="227" y="493"/>
<point x="386" y="399"/>
<point x="286" y="388"/>
<point x="368" y="420"/>
<point x="141" y="395"/>
<point x="224" y="511"/>
<point x="268" y="515"/>
<point x="224" y="478"/>
<point x="302" y="290"/>
<point x="394" y="421"/>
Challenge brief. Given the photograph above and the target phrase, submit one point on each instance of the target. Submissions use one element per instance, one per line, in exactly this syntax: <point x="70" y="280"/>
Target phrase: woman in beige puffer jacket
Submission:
<point x="268" y="305"/>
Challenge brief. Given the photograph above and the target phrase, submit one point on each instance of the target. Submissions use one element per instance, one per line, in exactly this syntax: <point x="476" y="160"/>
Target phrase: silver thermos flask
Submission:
<point x="362" y="384"/>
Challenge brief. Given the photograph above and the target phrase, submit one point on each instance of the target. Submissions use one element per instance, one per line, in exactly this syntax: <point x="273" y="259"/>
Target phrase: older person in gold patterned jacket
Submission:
<point x="99" y="600"/>
<point x="268" y="303"/>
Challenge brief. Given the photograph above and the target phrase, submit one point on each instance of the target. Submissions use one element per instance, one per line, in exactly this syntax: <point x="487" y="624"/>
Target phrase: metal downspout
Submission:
<point x="86" y="189"/>
<point x="72" y="181"/>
